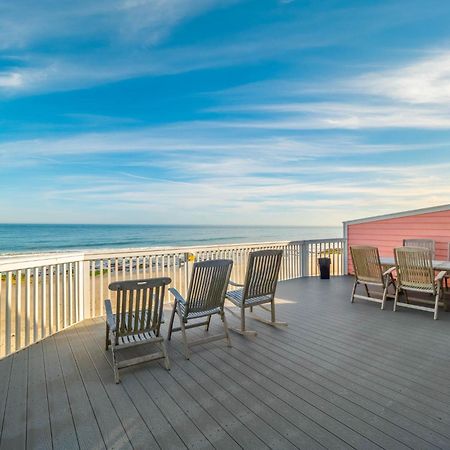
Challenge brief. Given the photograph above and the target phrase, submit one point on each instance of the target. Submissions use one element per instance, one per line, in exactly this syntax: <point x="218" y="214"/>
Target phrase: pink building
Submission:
<point x="388" y="231"/>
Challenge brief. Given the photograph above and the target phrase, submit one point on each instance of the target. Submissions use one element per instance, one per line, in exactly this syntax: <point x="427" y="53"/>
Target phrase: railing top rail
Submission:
<point x="32" y="260"/>
<point x="98" y="254"/>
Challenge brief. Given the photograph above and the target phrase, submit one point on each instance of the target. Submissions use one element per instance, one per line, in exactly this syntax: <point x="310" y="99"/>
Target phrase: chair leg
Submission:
<point x="172" y="317"/>
<point x="107" y="341"/>
<point x="242" y="329"/>
<point x="383" y="301"/>
<point x="166" y="356"/>
<point x="272" y="311"/>
<point x="187" y="353"/>
<point x="367" y="290"/>
<point x="115" y="366"/>
<point x="225" y="326"/>
<point x="439" y="296"/>
<point x="242" y="319"/>
<point x="207" y="323"/>
<point x="396" y="298"/>
<point x="436" y="306"/>
<point x="352" y="299"/>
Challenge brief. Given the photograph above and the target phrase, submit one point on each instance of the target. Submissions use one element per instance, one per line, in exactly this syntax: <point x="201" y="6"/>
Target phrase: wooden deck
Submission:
<point x="340" y="376"/>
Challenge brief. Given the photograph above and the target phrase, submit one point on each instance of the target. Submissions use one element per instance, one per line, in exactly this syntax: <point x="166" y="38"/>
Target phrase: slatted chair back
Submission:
<point x="262" y="273"/>
<point x="422" y="243"/>
<point x="415" y="269"/>
<point x="139" y="305"/>
<point x="207" y="288"/>
<point x="366" y="263"/>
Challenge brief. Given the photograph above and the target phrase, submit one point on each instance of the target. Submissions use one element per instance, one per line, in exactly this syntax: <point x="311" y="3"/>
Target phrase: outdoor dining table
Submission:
<point x="437" y="265"/>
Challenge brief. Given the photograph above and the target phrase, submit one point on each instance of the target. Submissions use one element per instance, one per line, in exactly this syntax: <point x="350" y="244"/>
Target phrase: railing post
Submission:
<point x="85" y="301"/>
<point x="305" y="259"/>
<point x="187" y="259"/>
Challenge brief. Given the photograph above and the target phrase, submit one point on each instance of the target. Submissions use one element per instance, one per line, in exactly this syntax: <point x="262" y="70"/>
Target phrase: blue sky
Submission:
<point x="286" y="112"/>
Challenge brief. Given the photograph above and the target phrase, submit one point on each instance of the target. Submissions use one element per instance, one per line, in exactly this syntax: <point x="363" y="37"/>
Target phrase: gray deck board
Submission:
<point x="39" y="435"/>
<point x="15" y="424"/>
<point x="61" y="420"/>
<point x="109" y="423"/>
<point x="88" y="431"/>
<point x="5" y="372"/>
<point x="340" y="376"/>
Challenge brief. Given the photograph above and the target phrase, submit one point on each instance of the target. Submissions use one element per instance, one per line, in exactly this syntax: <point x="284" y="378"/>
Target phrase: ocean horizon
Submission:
<point x="23" y="238"/>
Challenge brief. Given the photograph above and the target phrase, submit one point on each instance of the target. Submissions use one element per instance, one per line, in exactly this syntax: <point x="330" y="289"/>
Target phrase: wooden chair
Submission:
<point x="415" y="273"/>
<point x="422" y="243"/>
<point x="370" y="272"/>
<point x="259" y="287"/>
<point x="205" y="298"/>
<point x="139" y="306"/>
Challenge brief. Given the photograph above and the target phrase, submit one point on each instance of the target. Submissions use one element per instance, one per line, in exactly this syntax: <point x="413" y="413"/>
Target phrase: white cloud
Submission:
<point x="10" y="80"/>
<point x="420" y="82"/>
<point x="413" y="95"/>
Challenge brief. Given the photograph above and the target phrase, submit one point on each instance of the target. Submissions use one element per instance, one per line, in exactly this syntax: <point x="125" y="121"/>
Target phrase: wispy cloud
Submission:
<point x="415" y="95"/>
<point x="425" y="81"/>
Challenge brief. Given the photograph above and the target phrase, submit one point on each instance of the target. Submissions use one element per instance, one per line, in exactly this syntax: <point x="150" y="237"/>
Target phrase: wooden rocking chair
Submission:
<point x="205" y="298"/>
<point x="258" y="289"/>
<point x="139" y="306"/>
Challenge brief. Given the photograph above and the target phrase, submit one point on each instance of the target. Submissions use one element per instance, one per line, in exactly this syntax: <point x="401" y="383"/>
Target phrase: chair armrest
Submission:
<point x="233" y="283"/>
<point x="110" y="316"/>
<point x="177" y="295"/>
<point x="389" y="271"/>
<point x="440" y="276"/>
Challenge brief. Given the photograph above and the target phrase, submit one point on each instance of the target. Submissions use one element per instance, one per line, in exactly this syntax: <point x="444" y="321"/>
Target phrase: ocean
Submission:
<point x="22" y="238"/>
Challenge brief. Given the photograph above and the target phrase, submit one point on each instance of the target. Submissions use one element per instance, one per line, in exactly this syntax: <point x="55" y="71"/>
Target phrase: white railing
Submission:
<point x="41" y="294"/>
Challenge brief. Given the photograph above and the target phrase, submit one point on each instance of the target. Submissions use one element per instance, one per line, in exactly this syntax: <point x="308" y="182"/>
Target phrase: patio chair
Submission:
<point x="422" y="243"/>
<point x="258" y="289"/>
<point x="137" y="320"/>
<point x="205" y="298"/>
<point x="415" y="273"/>
<point x="370" y="272"/>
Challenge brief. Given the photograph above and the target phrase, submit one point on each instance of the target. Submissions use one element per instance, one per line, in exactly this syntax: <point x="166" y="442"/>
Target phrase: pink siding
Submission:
<point x="389" y="233"/>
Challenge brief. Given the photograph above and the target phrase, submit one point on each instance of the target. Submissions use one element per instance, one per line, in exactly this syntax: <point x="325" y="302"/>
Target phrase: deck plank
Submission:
<point x="5" y="376"/>
<point x="61" y="420"/>
<point x="14" y="429"/>
<point x="88" y="431"/>
<point x="113" y="432"/>
<point x="39" y="434"/>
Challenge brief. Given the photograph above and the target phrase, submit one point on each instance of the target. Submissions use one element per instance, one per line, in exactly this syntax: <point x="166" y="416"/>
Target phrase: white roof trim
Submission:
<point x="413" y="212"/>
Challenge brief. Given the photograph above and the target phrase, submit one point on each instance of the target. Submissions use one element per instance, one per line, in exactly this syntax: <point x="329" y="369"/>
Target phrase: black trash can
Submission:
<point x="324" y="265"/>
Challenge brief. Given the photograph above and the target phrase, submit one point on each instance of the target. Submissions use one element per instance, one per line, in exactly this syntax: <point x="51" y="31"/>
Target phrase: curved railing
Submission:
<point x="41" y="294"/>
